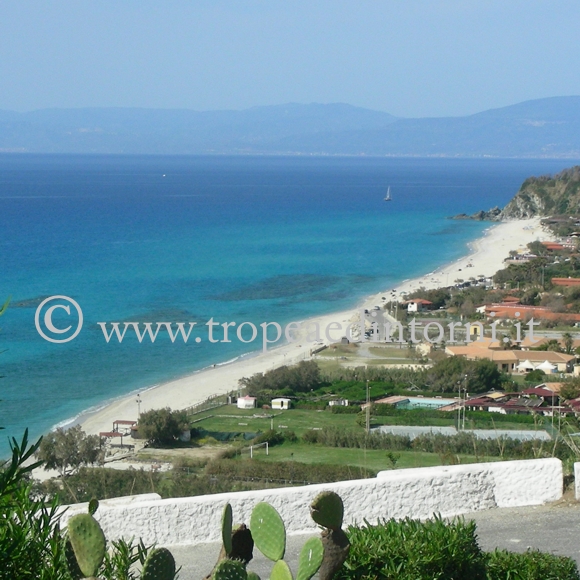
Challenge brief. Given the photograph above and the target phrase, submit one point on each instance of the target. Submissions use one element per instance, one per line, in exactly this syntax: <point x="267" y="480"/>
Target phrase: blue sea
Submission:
<point x="155" y="238"/>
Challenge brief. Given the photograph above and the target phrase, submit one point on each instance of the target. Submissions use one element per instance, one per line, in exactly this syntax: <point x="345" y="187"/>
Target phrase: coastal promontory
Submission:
<point x="543" y="196"/>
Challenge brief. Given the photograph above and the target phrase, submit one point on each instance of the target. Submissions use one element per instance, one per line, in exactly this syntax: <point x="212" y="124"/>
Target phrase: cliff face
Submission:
<point x="546" y="195"/>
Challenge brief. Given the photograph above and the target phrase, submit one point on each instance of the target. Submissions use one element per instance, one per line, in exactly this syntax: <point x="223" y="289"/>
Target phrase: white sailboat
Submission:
<point x="388" y="196"/>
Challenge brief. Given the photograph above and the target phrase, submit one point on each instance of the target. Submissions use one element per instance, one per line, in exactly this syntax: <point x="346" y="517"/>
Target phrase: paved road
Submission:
<point x="552" y="528"/>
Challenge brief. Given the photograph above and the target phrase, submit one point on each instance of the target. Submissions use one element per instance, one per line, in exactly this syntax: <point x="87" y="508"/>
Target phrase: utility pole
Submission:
<point x="368" y="409"/>
<point x="464" y="399"/>
<point x="459" y="406"/>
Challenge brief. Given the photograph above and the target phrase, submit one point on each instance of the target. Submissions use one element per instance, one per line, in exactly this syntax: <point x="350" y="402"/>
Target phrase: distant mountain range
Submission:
<point x="539" y="128"/>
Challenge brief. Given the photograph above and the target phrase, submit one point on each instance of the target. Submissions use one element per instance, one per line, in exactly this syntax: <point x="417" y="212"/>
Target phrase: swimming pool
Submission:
<point x="424" y="403"/>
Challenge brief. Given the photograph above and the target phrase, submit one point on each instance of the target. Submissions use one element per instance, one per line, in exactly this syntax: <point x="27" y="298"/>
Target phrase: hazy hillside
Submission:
<point x="177" y="131"/>
<point x="540" y="128"/>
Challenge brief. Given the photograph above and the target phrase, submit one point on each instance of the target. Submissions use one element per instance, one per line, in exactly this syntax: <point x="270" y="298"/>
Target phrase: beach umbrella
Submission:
<point x="547" y="367"/>
<point x="523" y="366"/>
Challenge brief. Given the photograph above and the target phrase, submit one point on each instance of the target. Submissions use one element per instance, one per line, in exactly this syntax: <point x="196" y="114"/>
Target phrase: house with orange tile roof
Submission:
<point x="418" y="305"/>
<point x="566" y="281"/>
<point x="553" y="246"/>
<point x="509" y="360"/>
<point x="524" y="312"/>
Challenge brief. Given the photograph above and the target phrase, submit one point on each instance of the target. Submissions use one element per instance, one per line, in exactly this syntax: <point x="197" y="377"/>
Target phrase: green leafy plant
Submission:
<point x="120" y="561"/>
<point x="410" y="549"/>
<point x="30" y="539"/>
<point x="531" y="565"/>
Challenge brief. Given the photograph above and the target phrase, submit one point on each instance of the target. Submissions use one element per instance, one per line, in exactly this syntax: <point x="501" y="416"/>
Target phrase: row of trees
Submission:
<point x="446" y="375"/>
<point x="300" y="378"/>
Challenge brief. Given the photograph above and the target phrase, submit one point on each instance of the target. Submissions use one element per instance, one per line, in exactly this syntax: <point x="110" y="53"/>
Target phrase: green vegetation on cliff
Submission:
<point x="546" y="195"/>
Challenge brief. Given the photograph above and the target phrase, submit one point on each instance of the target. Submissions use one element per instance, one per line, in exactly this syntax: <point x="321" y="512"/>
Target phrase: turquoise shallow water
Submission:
<point x="189" y="238"/>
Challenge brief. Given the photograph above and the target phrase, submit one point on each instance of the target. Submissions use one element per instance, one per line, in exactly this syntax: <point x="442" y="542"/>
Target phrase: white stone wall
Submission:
<point x="417" y="493"/>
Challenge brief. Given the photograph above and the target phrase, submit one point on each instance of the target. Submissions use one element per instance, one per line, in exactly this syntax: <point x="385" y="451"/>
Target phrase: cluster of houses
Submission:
<point x="543" y="399"/>
<point x="519" y="361"/>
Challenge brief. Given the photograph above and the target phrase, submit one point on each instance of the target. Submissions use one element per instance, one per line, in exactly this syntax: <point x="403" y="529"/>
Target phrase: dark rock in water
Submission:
<point x="28" y="302"/>
<point x="494" y="214"/>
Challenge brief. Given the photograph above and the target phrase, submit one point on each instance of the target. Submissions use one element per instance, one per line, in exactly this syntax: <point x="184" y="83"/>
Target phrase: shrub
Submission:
<point x="271" y="437"/>
<point x="310" y="436"/>
<point x="162" y="426"/>
<point x="30" y="538"/>
<point x="531" y="565"/>
<point x="101" y="482"/>
<point x="341" y="410"/>
<point x="535" y="376"/>
<point x="412" y="550"/>
<point x="284" y="471"/>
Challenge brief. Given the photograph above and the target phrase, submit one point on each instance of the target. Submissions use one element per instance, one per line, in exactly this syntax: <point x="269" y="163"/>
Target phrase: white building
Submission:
<point x="281" y="403"/>
<point x="418" y="305"/>
<point x="246" y="402"/>
<point x="338" y="402"/>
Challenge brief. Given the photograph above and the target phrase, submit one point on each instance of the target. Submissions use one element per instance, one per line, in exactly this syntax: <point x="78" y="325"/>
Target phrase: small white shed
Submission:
<point x="246" y="402"/>
<point x="281" y="403"/>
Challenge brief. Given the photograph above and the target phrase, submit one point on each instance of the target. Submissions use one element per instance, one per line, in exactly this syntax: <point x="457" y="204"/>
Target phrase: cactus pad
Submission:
<point x="268" y="531"/>
<point x="281" y="571"/>
<point x="159" y="565"/>
<point x="253" y="576"/>
<point x="88" y="542"/>
<point x="93" y="506"/>
<point x="71" y="561"/>
<point x="327" y="510"/>
<point x="242" y="544"/>
<point x="227" y="528"/>
<point x="230" y="570"/>
<point x="310" y="559"/>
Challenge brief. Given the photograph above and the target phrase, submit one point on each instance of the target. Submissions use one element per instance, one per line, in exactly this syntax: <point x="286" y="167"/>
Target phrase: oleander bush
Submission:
<point x="531" y="565"/>
<point x="441" y="550"/>
<point x="414" y="550"/>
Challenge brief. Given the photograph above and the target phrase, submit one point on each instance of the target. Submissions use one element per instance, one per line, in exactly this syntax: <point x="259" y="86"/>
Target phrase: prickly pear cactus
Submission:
<point x="71" y="561"/>
<point x="327" y="510"/>
<point x="281" y="571"/>
<point x="310" y="559"/>
<point x="253" y="576"/>
<point x="230" y="570"/>
<point x="268" y="531"/>
<point x="159" y="565"/>
<point x="242" y="544"/>
<point x="227" y="528"/>
<point x="93" y="506"/>
<point x="88" y="542"/>
<point x="336" y="548"/>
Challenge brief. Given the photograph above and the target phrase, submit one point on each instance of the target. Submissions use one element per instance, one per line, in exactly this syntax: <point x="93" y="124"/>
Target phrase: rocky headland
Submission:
<point x="542" y="196"/>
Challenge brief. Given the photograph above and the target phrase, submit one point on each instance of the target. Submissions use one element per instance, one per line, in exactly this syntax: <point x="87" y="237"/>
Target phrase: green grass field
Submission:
<point x="375" y="459"/>
<point x="232" y="419"/>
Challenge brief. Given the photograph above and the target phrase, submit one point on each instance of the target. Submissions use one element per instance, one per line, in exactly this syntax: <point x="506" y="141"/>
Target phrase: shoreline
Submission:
<point x="485" y="258"/>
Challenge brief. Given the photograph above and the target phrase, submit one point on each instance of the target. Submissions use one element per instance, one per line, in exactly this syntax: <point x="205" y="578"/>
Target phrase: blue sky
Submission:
<point x="407" y="57"/>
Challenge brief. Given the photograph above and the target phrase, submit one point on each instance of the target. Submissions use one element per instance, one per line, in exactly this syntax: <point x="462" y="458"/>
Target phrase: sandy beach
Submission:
<point x="486" y="257"/>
